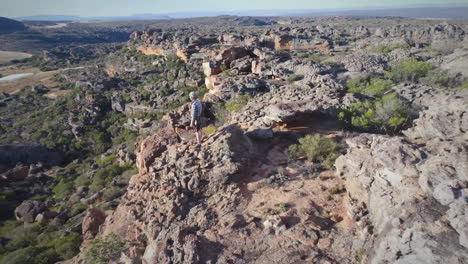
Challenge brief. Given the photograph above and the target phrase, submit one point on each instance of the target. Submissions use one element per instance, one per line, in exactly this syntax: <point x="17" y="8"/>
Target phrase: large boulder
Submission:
<point x="28" y="210"/>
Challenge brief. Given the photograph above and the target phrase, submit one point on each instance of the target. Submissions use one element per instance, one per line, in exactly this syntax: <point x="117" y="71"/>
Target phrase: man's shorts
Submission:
<point x="198" y="124"/>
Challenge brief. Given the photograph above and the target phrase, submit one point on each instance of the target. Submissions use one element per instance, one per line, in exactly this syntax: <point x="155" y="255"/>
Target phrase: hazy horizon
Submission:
<point x="103" y="8"/>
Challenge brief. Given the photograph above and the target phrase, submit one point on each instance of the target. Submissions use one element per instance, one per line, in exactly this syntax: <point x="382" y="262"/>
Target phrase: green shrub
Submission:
<point x="111" y="193"/>
<point x="126" y="175"/>
<point x="105" y="175"/>
<point x="78" y="208"/>
<point x="387" y="48"/>
<point x="295" y="77"/>
<point x="102" y="250"/>
<point x="442" y="79"/>
<point x="369" y="85"/>
<point x="21" y="256"/>
<point x="222" y="111"/>
<point x="237" y="103"/>
<point x="101" y="141"/>
<point x="63" y="189"/>
<point x="82" y="180"/>
<point x="23" y="237"/>
<point x="410" y="70"/>
<point x="106" y="160"/>
<point x="387" y="114"/>
<point x="47" y="256"/>
<point x="68" y="246"/>
<point x="316" y="148"/>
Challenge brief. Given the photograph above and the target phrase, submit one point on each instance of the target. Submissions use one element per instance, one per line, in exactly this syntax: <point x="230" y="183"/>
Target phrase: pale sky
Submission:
<point x="90" y="8"/>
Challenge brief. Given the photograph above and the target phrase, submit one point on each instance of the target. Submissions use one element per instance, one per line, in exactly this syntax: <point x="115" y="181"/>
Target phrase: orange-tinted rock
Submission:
<point x="93" y="219"/>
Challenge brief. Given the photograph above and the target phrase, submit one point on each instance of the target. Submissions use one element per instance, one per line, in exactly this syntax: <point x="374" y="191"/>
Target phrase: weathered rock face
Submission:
<point x="199" y="205"/>
<point x="176" y="181"/>
<point x="93" y="219"/>
<point x="413" y="196"/>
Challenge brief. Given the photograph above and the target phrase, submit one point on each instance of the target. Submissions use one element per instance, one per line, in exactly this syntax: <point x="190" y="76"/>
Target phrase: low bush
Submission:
<point x="106" y="160"/>
<point x="316" y="148"/>
<point x="295" y="77"/>
<point x="410" y="70"/>
<point x="102" y="250"/>
<point x="387" y="114"/>
<point x="387" y="48"/>
<point x="63" y="189"/>
<point x="105" y="175"/>
<point x="78" y="208"/>
<point x="443" y="79"/>
<point x="111" y="193"/>
<point x="68" y="246"/>
<point x="369" y="85"/>
<point x="222" y="111"/>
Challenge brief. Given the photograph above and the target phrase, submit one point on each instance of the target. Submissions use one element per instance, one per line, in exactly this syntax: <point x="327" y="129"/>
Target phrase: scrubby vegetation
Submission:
<point x="102" y="250"/>
<point x="222" y="111"/>
<point x="295" y="77"/>
<point x="369" y="85"/>
<point x="315" y="148"/>
<point x="443" y="79"/>
<point x="410" y="70"/>
<point x="387" y="114"/>
<point x="209" y="130"/>
<point x="26" y="245"/>
<point x="387" y="48"/>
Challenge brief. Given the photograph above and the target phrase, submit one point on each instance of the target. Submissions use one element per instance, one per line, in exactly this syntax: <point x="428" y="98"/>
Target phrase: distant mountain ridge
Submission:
<point x="10" y="25"/>
<point x="79" y="18"/>
<point x="412" y="11"/>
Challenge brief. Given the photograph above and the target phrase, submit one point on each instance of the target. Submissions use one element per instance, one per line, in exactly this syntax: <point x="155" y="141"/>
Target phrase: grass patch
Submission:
<point x="103" y="250"/>
<point x="463" y="86"/>
<point x="387" y="48"/>
<point x="223" y="111"/>
<point x="209" y="130"/>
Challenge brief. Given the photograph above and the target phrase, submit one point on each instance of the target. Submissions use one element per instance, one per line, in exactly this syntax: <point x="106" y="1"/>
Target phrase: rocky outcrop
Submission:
<point x="28" y="210"/>
<point x="411" y="194"/>
<point x="164" y="201"/>
<point x="93" y="219"/>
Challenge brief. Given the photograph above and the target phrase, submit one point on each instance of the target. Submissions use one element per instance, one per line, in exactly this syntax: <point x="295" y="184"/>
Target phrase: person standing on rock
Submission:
<point x="195" y="115"/>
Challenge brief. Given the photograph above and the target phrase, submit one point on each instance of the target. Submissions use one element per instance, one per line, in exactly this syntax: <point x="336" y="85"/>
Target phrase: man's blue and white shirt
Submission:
<point x="196" y="109"/>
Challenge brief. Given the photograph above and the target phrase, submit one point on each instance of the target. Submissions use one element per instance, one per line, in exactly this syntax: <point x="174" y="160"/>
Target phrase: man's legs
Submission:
<point x="198" y="129"/>
<point x="199" y="136"/>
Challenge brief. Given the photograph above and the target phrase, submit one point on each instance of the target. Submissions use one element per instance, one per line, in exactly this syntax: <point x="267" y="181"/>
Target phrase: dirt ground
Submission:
<point x="7" y="56"/>
<point x="44" y="78"/>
